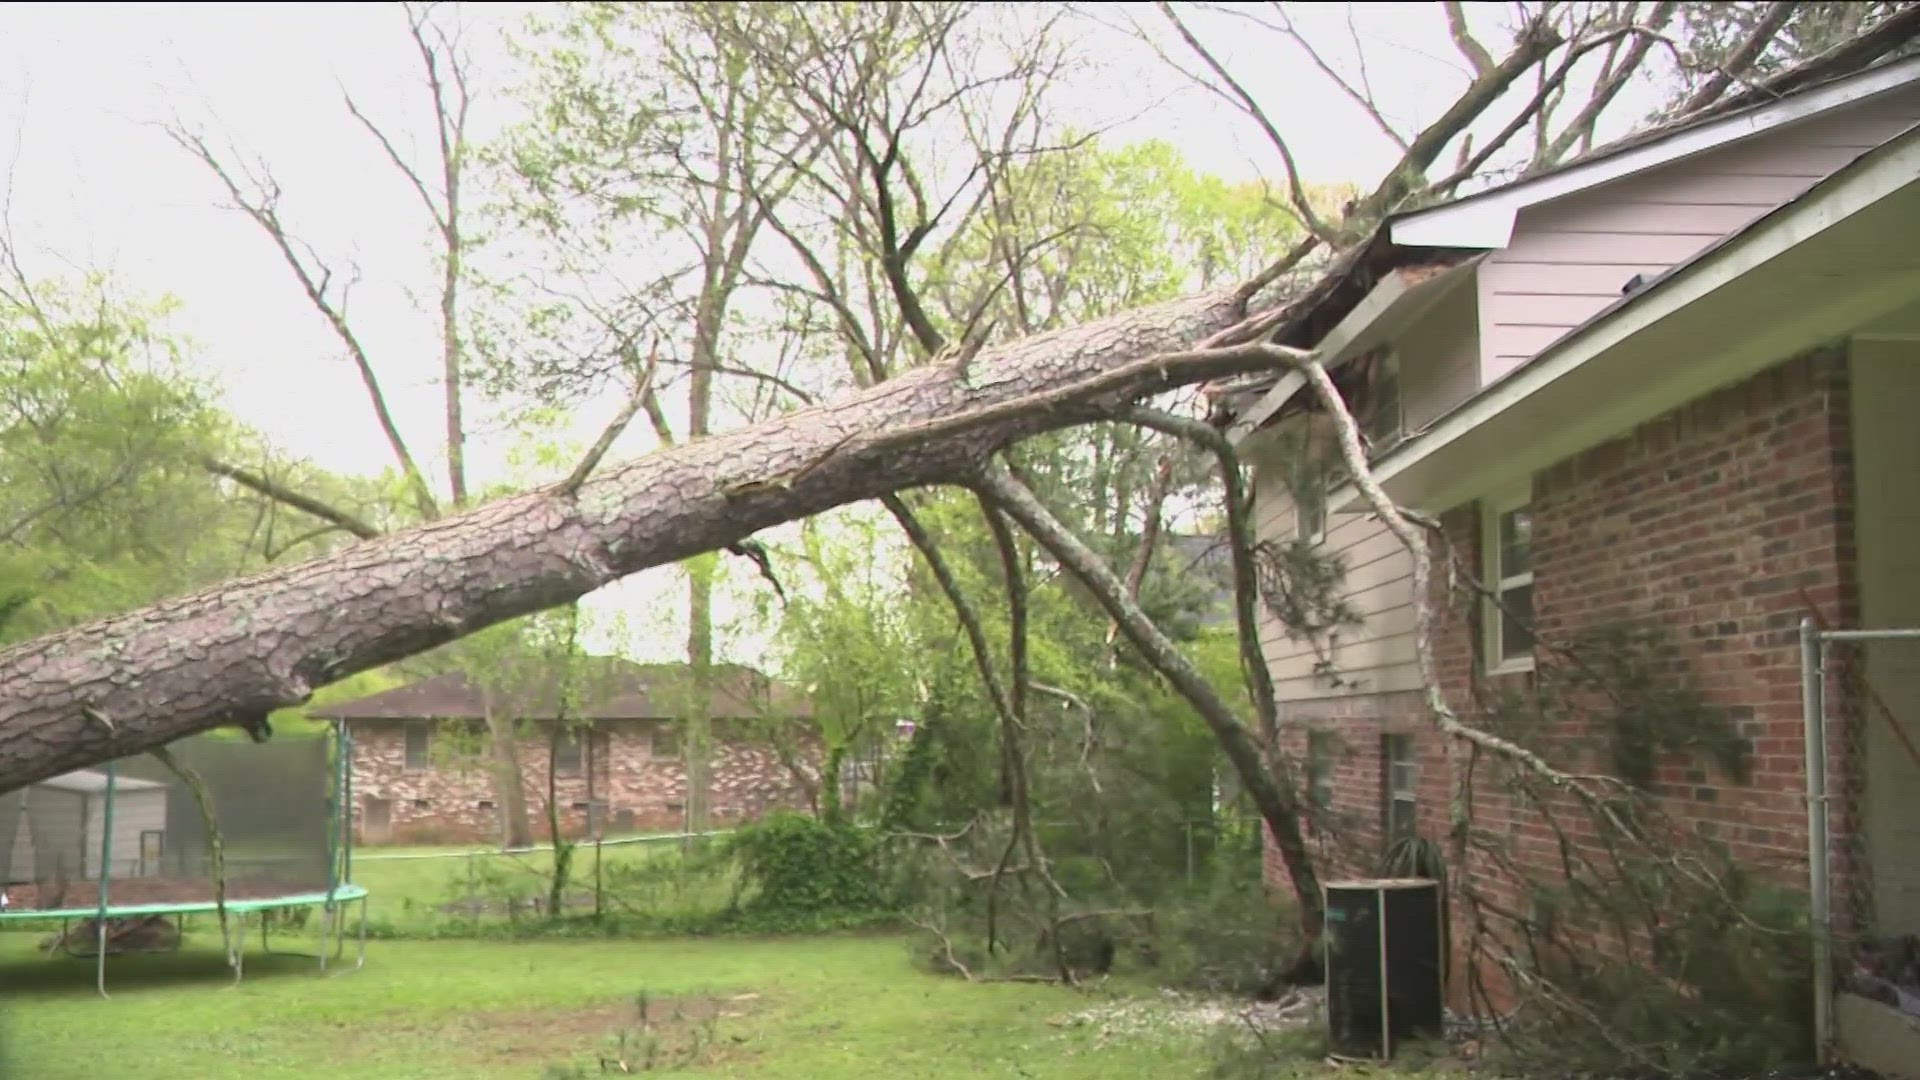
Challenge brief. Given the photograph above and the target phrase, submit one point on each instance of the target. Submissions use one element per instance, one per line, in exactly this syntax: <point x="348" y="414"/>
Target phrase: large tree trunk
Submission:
<point x="503" y="748"/>
<point x="232" y="653"/>
<point x="696" y="743"/>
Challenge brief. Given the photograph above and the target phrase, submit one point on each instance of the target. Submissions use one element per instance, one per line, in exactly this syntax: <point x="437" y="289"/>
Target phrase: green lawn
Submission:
<point x="847" y="1006"/>
<point x="410" y="893"/>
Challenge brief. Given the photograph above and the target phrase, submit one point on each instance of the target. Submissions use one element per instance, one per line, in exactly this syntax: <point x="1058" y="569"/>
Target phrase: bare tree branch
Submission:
<point x="1157" y="493"/>
<point x="1581" y="128"/>
<point x="282" y="494"/>
<point x="314" y="279"/>
<point x="1463" y="39"/>
<point x="642" y="392"/>
<point x="1272" y="791"/>
<point x="1236" y="93"/>
<point x="1899" y="27"/>
<point x="1743" y="57"/>
<point x="1361" y="95"/>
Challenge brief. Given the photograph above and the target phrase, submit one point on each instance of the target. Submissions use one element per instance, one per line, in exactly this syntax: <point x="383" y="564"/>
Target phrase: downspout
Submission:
<point x="1813" y="706"/>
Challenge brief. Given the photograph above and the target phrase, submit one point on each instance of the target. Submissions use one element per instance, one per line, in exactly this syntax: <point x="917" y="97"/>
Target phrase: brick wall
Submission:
<point x="1710" y="521"/>
<point x="453" y="799"/>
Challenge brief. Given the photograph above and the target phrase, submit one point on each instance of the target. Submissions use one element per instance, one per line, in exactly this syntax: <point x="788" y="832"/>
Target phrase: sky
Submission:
<point x="96" y="185"/>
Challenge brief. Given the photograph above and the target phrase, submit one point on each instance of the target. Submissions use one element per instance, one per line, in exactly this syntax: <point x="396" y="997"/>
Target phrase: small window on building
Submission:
<point x="1400" y="774"/>
<point x="422" y="804"/>
<point x="1509" y="565"/>
<point x="665" y="743"/>
<point x="1320" y="770"/>
<point x="419" y="741"/>
<point x="568" y="756"/>
<point x="1307" y="484"/>
<point x="484" y="804"/>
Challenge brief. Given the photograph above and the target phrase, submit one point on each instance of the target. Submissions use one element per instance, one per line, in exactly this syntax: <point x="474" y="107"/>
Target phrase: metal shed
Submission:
<point x="57" y="828"/>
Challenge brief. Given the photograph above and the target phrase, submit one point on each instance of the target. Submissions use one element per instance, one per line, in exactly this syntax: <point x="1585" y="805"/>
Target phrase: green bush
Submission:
<point x="800" y="873"/>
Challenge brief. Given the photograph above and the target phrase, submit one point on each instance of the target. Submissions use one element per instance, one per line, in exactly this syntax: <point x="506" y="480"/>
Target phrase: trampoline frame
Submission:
<point x="339" y="893"/>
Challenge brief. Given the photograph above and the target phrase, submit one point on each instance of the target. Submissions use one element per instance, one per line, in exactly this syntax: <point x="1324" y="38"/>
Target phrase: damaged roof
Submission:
<point x="1355" y="274"/>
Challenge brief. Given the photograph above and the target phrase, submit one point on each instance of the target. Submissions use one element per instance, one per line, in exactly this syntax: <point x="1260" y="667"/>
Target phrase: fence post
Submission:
<point x="106" y="870"/>
<point x="1813" y="705"/>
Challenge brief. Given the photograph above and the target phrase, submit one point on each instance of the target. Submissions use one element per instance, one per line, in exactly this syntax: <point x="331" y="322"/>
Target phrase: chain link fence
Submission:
<point x="668" y="880"/>
<point x="1861" y="696"/>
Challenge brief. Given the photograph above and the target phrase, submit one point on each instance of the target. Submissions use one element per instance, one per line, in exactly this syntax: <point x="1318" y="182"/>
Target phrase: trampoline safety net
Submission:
<point x="63" y="839"/>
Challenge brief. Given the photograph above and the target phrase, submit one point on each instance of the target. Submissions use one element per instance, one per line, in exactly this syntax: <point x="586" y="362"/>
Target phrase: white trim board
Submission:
<point x="1889" y="170"/>
<point x="1485" y="219"/>
<point x="1391" y="306"/>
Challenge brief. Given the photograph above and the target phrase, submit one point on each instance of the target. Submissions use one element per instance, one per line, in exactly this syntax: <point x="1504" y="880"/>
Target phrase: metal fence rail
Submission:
<point x="1849" y="871"/>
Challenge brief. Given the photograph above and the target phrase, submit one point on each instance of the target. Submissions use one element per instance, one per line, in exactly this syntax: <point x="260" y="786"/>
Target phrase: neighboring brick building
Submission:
<point x="1674" y="387"/>
<point x="423" y="770"/>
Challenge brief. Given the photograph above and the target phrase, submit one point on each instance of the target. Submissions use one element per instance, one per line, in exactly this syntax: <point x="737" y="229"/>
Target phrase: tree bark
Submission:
<point x="503" y="747"/>
<point x="232" y="653"/>
<point x="1272" y="790"/>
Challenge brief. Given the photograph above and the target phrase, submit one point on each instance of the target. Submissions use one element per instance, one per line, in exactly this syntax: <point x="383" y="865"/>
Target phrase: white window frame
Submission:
<point x="1320" y="770"/>
<point x="424" y="729"/>
<point x="1393" y="793"/>
<point x="1498" y="582"/>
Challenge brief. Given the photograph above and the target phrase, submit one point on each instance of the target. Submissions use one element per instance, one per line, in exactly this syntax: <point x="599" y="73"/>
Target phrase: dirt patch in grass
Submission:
<point x="638" y="1031"/>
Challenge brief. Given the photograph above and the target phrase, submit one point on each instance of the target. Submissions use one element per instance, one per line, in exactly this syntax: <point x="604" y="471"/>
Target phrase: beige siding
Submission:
<point x="1569" y="259"/>
<point x="1374" y="656"/>
<point x="1439" y="366"/>
<point x="1439" y="358"/>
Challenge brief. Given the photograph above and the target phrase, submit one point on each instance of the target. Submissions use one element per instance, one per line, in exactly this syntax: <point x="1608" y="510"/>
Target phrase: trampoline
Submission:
<point x="123" y="848"/>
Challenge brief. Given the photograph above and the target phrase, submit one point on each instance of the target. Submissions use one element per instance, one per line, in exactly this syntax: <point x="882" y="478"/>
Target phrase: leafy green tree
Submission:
<point x="104" y="502"/>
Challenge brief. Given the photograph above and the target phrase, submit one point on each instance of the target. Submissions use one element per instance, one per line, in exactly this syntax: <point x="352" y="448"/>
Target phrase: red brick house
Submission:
<point x="1674" y="383"/>
<point x="421" y="764"/>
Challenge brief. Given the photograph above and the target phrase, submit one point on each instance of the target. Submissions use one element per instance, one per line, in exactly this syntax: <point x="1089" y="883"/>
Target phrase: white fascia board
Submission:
<point x="1396" y="301"/>
<point x="1486" y="220"/>
<point x="1816" y="212"/>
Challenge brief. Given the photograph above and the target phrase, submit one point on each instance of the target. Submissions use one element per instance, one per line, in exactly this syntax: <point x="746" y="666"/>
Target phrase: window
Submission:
<point x="1320" y="770"/>
<point x="1509" y="564"/>
<point x="422" y="804"/>
<point x="419" y="738"/>
<point x="1306" y="482"/>
<point x="665" y="743"/>
<point x="1400" y="772"/>
<point x="1382" y="419"/>
<point x="567" y="754"/>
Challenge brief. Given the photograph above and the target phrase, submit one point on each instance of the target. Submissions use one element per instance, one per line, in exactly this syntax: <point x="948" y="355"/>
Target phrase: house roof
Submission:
<point x="1451" y="232"/>
<point x="1484" y="219"/>
<point x="611" y="689"/>
<point x="94" y="781"/>
<point x="1832" y="246"/>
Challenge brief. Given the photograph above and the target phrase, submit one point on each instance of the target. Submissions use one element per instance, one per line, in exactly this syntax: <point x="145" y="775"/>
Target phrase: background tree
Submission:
<point x="872" y="78"/>
<point x="686" y="170"/>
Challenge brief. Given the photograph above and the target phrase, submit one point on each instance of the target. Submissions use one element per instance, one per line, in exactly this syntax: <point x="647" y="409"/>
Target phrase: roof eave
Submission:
<point x="1876" y="176"/>
<point x="1485" y="220"/>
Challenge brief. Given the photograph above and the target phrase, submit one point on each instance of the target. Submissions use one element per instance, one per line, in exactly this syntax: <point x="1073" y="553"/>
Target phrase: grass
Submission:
<point x="411" y="894"/>
<point x="840" y="1006"/>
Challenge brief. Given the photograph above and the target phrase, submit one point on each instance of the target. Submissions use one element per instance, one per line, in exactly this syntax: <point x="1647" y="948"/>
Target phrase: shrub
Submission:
<point x="800" y="873"/>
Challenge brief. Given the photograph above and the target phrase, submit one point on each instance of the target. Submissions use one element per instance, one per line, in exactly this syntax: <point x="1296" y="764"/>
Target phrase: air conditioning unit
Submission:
<point x="1384" y="963"/>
